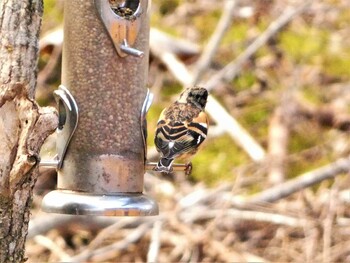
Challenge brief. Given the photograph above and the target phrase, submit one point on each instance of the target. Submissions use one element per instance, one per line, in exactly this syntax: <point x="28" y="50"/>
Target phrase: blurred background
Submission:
<point x="284" y="81"/>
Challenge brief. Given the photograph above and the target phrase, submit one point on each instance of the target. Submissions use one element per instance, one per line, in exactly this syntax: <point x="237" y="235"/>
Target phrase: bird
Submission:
<point x="181" y="128"/>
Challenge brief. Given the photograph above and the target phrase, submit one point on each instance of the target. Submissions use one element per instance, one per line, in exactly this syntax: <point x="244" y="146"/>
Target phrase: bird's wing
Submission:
<point x="200" y="124"/>
<point x="187" y="143"/>
<point x="196" y="133"/>
<point x="162" y="144"/>
<point x="177" y="138"/>
<point x="167" y="135"/>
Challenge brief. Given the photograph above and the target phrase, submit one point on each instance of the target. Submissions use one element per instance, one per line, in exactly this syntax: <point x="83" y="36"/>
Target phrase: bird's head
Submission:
<point x="195" y="95"/>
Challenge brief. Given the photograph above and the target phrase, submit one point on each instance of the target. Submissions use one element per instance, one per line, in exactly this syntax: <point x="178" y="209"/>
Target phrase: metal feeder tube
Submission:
<point x="102" y="169"/>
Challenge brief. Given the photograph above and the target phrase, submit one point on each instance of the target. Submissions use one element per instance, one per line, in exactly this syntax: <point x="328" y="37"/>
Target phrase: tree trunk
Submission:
<point x="23" y="124"/>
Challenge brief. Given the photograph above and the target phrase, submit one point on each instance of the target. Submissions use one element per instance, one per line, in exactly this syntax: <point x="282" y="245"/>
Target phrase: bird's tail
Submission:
<point x="164" y="165"/>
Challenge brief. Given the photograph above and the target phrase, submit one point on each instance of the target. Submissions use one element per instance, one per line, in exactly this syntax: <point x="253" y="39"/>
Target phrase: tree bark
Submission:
<point x="23" y="124"/>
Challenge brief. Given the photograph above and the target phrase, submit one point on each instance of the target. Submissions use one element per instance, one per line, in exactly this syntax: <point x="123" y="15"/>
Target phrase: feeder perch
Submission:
<point x="102" y="104"/>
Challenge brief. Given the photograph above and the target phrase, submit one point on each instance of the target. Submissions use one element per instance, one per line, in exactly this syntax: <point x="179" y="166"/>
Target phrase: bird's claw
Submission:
<point x="187" y="168"/>
<point x="163" y="169"/>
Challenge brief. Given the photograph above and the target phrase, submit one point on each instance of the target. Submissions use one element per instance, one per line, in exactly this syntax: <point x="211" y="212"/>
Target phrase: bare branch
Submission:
<point x="105" y="253"/>
<point x="41" y="225"/>
<point x="230" y="71"/>
<point x="215" y="39"/>
<point x="153" y="250"/>
<point x="279" y="132"/>
<point x="278" y="144"/>
<point x="301" y="182"/>
<point x="240" y="135"/>
<point x="44" y="126"/>
<point x="193" y="215"/>
<point x="53" y="247"/>
<point x="172" y="45"/>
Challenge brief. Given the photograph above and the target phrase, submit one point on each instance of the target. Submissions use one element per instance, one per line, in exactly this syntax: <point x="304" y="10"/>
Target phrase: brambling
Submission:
<point x="181" y="128"/>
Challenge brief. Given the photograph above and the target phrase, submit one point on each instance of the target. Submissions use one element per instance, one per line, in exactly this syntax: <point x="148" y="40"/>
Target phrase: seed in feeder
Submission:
<point x="124" y="12"/>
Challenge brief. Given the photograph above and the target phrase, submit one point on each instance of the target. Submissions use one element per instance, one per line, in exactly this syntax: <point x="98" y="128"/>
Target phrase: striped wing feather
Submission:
<point x="174" y="139"/>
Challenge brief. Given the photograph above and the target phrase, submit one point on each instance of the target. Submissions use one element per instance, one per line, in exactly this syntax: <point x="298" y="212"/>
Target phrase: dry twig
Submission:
<point x="154" y="246"/>
<point x="53" y="247"/>
<point x="214" y="41"/>
<point x="107" y="252"/>
<point x="231" y="70"/>
<point x="301" y="182"/>
<point x="274" y="218"/>
<point x="45" y="223"/>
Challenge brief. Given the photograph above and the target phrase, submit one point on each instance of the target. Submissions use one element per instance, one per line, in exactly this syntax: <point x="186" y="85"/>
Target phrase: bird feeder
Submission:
<point x="102" y="104"/>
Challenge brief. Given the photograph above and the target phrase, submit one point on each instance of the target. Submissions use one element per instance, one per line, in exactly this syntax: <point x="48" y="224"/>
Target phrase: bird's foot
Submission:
<point x="163" y="169"/>
<point x="187" y="168"/>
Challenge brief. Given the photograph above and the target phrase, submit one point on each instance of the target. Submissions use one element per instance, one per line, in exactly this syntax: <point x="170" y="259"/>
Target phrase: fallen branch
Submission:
<point x="301" y="182"/>
<point x="230" y="71"/>
<point x="179" y="47"/>
<point x="234" y="214"/>
<point x="214" y="41"/>
<point x="153" y="251"/>
<point x="107" y="252"/>
<point x="278" y="135"/>
<point x="240" y="135"/>
<point x="126" y="222"/>
<point x="52" y="247"/>
<point x="42" y="224"/>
